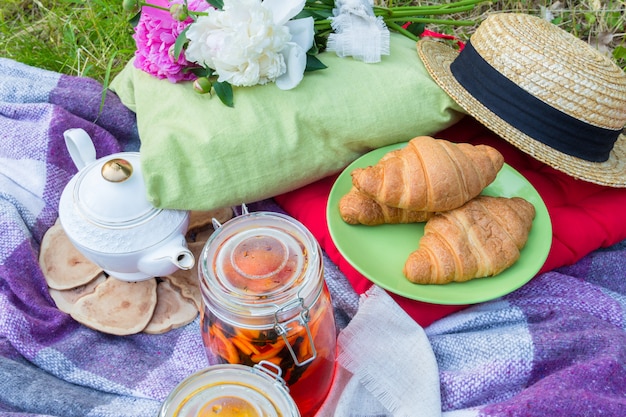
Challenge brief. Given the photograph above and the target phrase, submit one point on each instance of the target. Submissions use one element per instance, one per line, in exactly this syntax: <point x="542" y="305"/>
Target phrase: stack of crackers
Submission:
<point x="102" y="302"/>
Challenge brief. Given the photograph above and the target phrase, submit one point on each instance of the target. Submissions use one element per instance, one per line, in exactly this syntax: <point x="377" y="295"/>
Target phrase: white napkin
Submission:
<point x="358" y="32"/>
<point x="385" y="364"/>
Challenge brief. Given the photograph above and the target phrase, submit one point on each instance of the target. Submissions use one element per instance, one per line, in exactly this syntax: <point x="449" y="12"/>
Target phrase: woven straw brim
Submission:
<point x="437" y="58"/>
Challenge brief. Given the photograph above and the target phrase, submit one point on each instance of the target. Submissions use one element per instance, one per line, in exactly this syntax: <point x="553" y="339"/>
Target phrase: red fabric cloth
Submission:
<point x="584" y="216"/>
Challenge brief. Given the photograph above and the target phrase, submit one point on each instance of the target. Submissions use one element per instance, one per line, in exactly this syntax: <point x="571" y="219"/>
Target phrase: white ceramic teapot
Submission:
<point x="105" y="213"/>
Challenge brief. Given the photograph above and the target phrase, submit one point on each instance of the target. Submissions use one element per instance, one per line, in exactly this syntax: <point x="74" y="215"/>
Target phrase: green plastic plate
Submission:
<point x="379" y="252"/>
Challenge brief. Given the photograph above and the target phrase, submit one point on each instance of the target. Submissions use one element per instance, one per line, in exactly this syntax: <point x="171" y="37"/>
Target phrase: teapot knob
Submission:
<point x="117" y="170"/>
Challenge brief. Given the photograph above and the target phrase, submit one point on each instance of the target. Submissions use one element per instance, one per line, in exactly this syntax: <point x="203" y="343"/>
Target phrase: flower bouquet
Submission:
<point x="217" y="44"/>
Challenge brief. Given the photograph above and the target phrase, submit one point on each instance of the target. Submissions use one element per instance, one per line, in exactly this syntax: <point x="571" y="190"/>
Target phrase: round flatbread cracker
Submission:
<point x="172" y="310"/>
<point x="199" y="219"/>
<point x="63" y="266"/>
<point x="203" y="235"/>
<point x="201" y="222"/>
<point x="118" y="307"/>
<point x="65" y="299"/>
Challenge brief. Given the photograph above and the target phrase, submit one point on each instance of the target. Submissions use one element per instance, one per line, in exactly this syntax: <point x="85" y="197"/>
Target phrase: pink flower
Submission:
<point x="155" y="36"/>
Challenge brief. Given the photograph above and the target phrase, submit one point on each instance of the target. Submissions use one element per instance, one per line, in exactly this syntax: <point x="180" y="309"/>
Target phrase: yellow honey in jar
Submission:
<point x="229" y="407"/>
<point x="231" y="391"/>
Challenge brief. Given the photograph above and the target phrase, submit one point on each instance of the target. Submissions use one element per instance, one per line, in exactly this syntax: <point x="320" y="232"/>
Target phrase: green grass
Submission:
<point x="72" y="37"/>
<point x="87" y="37"/>
<point x="601" y="23"/>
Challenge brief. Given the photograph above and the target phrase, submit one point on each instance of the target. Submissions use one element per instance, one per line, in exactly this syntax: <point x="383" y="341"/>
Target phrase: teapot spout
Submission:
<point x="167" y="259"/>
<point x="184" y="259"/>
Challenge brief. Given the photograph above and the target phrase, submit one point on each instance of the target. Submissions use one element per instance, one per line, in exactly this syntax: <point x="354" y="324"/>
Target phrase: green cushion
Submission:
<point x="198" y="154"/>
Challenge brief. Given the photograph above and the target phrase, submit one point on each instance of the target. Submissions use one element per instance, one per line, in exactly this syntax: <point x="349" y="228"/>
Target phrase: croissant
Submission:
<point x="357" y="208"/>
<point x="430" y="174"/>
<point x="480" y="239"/>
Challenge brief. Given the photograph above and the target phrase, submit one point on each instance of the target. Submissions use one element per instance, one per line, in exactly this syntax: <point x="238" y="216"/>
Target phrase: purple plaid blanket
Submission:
<point x="555" y="347"/>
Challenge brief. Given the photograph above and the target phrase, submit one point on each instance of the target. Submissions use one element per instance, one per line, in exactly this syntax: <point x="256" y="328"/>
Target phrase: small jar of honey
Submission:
<point x="231" y="391"/>
<point x="265" y="299"/>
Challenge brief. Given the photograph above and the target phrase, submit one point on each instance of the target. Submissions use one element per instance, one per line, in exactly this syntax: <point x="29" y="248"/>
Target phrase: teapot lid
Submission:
<point x="111" y="191"/>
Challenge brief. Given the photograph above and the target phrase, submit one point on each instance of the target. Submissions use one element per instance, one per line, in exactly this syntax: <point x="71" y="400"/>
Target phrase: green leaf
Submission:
<point x="199" y="71"/>
<point x="416" y="28"/>
<point x="225" y="92"/>
<point x="315" y="14"/>
<point x="613" y="19"/>
<point x="218" y="4"/>
<point x="180" y="42"/>
<point x="314" y="49"/>
<point x="135" y="19"/>
<point x="619" y="52"/>
<point x="313" y="64"/>
<point x="590" y="18"/>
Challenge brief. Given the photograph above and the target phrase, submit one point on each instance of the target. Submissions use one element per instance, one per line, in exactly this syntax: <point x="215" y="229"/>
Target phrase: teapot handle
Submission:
<point x="80" y="146"/>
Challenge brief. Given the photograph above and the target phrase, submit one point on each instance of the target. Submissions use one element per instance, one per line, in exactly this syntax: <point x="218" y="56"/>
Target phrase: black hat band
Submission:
<point x="529" y="114"/>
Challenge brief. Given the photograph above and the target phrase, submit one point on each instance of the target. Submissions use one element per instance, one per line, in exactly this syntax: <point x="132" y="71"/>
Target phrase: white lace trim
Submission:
<point x="358" y="32"/>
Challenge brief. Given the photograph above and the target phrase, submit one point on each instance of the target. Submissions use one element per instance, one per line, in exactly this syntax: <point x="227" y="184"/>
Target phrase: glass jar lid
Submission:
<point x="232" y="390"/>
<point x="257" y="264"/>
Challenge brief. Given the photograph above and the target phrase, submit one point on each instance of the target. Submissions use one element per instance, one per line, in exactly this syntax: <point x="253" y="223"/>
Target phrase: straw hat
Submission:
<point x="543" y="90"/>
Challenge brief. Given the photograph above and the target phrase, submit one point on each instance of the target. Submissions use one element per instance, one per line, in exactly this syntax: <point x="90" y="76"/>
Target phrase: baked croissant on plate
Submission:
<point x="357" y="208"/>
<point x="430" y="174"/>
<point x="480" y="239"/>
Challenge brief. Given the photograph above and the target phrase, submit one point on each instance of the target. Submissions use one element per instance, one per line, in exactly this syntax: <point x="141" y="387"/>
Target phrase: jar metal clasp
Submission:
<point x="273" y="371"/>
<point x="216" y="223"/>
<point x="283" y="329"/>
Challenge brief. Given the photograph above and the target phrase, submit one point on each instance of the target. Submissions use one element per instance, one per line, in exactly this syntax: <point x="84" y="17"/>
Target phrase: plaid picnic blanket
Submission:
<point x="557" y="346"/>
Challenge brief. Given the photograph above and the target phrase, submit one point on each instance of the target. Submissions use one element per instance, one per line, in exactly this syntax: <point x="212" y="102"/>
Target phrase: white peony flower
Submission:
<point x="251" y="42"/>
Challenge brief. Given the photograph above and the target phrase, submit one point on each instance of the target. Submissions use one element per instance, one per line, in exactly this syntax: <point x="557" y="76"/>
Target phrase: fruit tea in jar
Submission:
<point x="231" y="391"/>
<point x="265" y="299"/>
